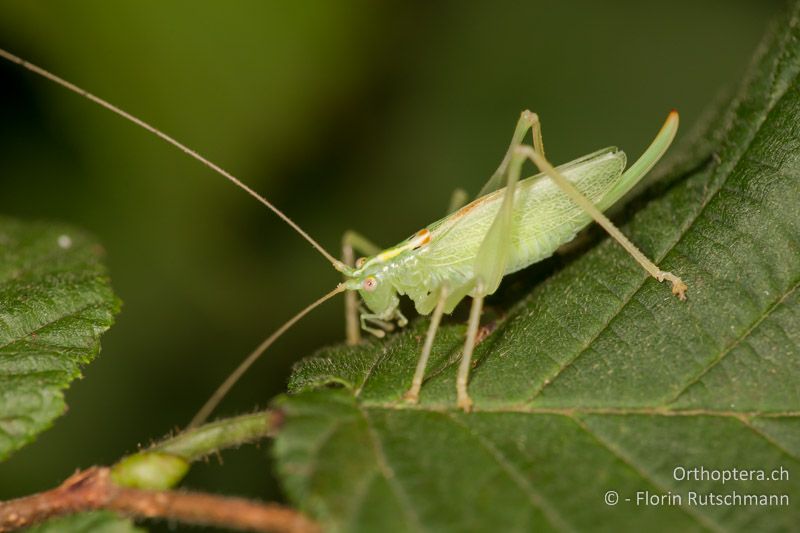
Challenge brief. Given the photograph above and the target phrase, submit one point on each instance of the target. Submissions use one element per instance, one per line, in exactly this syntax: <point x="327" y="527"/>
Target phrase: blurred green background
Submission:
<point x="345" y="114"/>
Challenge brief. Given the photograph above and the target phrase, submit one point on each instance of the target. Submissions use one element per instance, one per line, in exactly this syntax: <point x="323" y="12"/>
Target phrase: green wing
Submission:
<point x="543" y="217"/>
<point x="497" y="181"/>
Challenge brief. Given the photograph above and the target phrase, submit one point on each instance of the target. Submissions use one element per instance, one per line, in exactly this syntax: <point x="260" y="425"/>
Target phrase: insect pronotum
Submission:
<point x="510" y="225"/>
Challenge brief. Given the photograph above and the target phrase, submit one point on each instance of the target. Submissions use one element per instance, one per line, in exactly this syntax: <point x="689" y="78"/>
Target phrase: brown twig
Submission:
<point x="93" y="489"/>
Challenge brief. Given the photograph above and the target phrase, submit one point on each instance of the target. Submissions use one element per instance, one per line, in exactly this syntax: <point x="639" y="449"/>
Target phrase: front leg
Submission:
<point x="385" y="322"/>
<point x="351" y="242"/>
<point x="383" y="325"/>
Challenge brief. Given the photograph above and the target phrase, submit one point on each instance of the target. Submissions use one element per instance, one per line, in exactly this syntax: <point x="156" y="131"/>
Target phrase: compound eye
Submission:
<point x="370" y="284"/>
<point x="360" y="262"/>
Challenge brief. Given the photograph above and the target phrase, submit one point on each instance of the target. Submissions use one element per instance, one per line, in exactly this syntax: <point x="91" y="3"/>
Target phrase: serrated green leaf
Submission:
<point x="95" y="522"/>
<point x="599" y="379"/>
<point x="55" y="301"/>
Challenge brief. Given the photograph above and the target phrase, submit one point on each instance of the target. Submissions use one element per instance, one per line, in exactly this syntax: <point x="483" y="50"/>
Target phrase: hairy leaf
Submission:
<point x="599" y="379"/>
<point x="55" y="301"/>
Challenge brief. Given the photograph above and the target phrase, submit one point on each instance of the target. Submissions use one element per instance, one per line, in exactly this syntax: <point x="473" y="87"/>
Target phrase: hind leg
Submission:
<point x="527" y="121"/>
<point x="678" y="286"/>
<point x="490" y="266"/>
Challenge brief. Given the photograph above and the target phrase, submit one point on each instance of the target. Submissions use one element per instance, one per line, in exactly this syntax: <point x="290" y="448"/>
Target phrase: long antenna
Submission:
<point x="182" y="147"/>
<point x="231" y="380"/>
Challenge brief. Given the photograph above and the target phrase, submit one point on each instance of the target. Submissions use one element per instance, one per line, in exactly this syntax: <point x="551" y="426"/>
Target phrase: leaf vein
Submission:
<point x="514" y="475"/>
<point x="573" y="411"/>
<point x="746" y="422"/>
<point x="733" y="344"/>
<point x="388" y="474"/>
<point x="69" y="314"/>
<point x="702" y="519"/>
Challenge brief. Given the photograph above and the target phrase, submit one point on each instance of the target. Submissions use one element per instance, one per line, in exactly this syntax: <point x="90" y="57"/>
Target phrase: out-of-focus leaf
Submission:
<point x="55" y="301"/>
<point x="96" y="522"/>
<point x="599" y="379"/>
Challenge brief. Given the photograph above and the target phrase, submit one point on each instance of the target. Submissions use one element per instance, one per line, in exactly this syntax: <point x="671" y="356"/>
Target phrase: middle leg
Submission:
<point x="412" y="396"/>
<point x="458" y="200"/>
<point x="463" y="400"/>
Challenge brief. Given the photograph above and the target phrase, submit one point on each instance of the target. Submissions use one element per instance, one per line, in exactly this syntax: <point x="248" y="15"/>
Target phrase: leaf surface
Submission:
<point x="55" y="301"/>
<point x="598" y="379"/>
